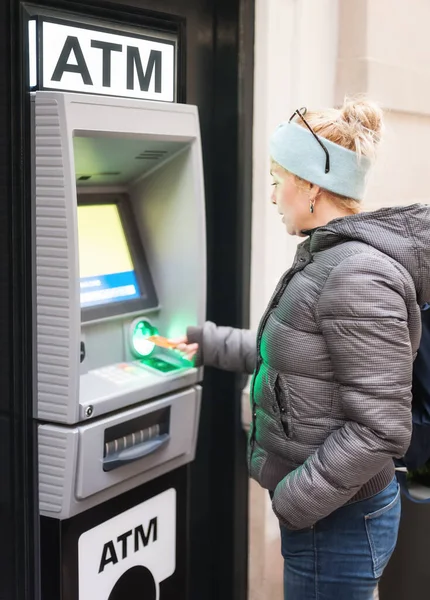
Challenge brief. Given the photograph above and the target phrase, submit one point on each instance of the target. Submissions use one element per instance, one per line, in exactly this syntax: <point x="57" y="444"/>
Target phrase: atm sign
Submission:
<point x="82" y="59"/>
<point x="137" y="545"/>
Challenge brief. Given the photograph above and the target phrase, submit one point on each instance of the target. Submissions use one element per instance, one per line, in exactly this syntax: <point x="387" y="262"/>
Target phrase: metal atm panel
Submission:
<point x="117" y="182"/>
<point x="79" y="468"/>
<point x="59" y="120"/>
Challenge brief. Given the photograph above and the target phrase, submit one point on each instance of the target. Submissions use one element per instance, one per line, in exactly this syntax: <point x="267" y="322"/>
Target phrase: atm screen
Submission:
<point x="107" y="272"/>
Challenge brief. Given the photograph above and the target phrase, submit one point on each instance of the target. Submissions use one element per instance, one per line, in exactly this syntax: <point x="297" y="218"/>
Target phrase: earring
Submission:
<point x="311" y="206"/>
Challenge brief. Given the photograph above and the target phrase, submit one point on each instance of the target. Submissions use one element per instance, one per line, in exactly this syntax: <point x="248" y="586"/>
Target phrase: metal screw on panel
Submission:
<point x="89" y="411"/>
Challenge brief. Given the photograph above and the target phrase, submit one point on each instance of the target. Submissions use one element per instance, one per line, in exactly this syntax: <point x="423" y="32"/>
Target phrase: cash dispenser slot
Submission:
<point x="122" y="450"/>
<point x="130" y="441"/>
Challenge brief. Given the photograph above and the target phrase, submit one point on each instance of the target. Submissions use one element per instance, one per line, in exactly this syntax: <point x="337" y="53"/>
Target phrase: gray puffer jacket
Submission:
<point x="332" y="362"/>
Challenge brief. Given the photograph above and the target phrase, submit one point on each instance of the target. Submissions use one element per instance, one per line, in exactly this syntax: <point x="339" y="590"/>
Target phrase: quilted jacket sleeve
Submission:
<point x="226" y="348"/>
<point x="364" y="320"/>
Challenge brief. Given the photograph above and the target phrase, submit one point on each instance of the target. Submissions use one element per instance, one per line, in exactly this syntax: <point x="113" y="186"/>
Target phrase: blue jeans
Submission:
<point x="343" y="556"/>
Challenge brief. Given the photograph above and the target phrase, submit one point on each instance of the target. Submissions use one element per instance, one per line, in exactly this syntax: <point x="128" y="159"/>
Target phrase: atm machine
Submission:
<point x="119" y="246"/>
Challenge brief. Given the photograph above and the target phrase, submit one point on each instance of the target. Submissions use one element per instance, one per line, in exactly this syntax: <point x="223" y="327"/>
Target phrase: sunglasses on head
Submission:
<point x="300" y="112"/>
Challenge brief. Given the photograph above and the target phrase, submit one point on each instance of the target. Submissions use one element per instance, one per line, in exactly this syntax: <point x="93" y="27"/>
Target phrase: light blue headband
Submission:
<point x="296" y="149"/>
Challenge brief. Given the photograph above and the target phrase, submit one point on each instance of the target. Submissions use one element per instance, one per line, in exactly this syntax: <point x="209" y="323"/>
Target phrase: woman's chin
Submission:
<point x="291" y="230"/>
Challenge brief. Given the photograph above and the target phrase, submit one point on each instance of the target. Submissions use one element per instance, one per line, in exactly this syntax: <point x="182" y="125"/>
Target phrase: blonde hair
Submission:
<point x="357" y="126"/>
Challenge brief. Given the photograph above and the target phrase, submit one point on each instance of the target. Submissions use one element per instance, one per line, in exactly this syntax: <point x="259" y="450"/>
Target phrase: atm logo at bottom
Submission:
<point x="140" y="540"/>
<point x="111" y="553"/>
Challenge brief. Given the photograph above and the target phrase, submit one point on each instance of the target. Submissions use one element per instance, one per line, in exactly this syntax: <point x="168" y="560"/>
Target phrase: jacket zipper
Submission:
<point x="273" y="304"/>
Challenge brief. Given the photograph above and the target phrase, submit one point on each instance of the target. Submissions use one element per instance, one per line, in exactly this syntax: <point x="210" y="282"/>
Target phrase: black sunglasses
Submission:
<point x="300" y="112"/>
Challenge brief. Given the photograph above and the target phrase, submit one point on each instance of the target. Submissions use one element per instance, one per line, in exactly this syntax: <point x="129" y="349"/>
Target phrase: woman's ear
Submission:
<point x="314" y="192"/>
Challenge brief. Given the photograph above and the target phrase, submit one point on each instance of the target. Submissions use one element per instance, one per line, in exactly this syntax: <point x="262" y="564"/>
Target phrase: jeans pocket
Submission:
<point x="382" y="527"/>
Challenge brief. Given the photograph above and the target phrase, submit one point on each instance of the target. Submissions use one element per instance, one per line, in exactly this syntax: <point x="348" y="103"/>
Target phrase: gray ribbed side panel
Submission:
<point x="52" y="469"/>
<point x="56" y="352"/>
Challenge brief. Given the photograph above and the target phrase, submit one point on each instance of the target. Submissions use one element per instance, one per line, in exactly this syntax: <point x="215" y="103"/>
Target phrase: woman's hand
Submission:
<point x="189" y="350"/>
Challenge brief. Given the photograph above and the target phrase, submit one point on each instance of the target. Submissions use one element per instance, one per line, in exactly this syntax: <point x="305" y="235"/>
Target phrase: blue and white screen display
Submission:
<point x="106" y="268"/>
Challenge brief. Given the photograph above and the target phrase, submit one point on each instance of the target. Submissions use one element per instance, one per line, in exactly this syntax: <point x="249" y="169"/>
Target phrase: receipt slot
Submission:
<point x="119" y="245"/>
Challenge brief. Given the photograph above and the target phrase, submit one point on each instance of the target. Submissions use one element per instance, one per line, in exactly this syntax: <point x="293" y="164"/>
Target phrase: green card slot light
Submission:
<point x="141" y="330"/>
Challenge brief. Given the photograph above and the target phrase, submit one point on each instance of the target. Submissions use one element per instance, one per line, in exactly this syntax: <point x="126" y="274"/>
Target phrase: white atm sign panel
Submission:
<point x="138" y="545"/>
<point x="97" y="61"/>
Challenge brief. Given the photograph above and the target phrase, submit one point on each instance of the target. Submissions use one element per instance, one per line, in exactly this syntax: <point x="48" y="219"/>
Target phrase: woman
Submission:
<point x="332" y="362"/>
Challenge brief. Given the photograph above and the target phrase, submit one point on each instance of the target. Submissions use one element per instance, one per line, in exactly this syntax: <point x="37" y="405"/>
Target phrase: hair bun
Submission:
<point x="364" y="112"/>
